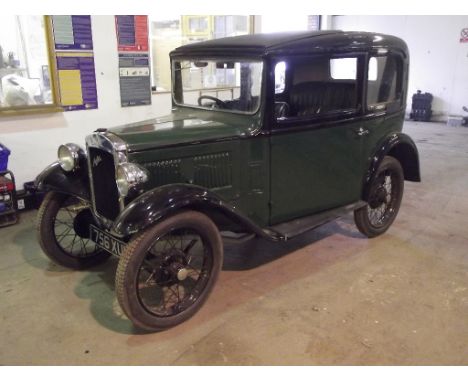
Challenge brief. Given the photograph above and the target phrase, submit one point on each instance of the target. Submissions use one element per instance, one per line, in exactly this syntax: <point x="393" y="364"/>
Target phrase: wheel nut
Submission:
<point x="182" y="274"/>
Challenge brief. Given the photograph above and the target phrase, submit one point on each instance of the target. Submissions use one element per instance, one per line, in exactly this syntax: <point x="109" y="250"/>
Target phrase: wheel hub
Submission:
<point x="173" y="268"/>
<point x="182" y="274"/>
<point x="81" y="223"/>
<point x="379" y="196"/>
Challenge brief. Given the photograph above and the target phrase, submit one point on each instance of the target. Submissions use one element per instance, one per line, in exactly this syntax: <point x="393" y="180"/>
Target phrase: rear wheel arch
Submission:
<point x="399" y="146"/>
<point x="408" y="158"/>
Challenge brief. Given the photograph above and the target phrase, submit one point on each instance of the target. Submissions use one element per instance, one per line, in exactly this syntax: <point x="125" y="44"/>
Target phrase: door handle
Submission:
<point x="362" y="132"/>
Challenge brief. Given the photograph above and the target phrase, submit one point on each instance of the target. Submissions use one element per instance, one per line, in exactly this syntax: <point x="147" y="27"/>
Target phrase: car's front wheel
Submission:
<point x="166" y="272"/>
<point x="63" y="232"/>
<point x="385" y="194"/>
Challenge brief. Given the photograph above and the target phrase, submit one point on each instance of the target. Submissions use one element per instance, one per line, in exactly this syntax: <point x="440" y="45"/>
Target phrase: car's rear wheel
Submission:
<point x="383" y="204"/>
<point x="63" y="232"/>
<point x="166" y="272"/>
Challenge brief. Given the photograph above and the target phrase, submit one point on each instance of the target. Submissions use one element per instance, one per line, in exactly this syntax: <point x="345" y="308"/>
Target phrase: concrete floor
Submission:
<point x="330" y="296"/>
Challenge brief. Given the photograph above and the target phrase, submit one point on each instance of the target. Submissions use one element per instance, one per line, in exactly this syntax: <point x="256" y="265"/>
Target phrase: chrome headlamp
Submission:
<point x="128" y="176"/>
<point x="69" y="156"/>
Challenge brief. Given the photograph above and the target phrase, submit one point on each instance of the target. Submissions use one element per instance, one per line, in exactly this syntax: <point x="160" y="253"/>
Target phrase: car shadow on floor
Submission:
<point x="257" y="251"/>
<point x="98" y="284"/>
<point x="32" y="253"/>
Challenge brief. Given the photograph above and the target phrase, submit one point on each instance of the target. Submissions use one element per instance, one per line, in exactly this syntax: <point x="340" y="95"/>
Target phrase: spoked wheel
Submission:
<point x="386" y="192"/>
<point x="166" y="273"/>
<point x="63" y="229"/>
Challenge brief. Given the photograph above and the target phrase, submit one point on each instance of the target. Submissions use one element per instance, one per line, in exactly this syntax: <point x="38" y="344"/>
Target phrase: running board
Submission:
<point x="236" y="238"/>
<point x="288" y="230"/>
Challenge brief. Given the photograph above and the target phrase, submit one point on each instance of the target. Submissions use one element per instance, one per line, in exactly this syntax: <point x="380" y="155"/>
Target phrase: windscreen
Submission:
<point x="227" y="85"/>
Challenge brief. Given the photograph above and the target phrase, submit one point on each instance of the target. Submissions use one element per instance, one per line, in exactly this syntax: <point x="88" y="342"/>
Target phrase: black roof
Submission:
<point x="293" y="42"/>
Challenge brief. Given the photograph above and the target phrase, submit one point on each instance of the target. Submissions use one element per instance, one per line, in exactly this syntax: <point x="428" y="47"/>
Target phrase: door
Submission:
<point x="316" y="144"/>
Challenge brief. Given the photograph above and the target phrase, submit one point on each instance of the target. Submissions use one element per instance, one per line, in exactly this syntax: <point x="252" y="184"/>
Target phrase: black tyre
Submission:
<point x="63" y="230"/>
<point x="386" y="192"/>
<point x="166" y="272"/>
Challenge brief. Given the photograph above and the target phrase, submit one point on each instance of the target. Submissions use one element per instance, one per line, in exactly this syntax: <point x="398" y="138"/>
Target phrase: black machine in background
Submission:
<point x="465" y="118"/>
<point x="421" y="108"/>
<point x="8" y="210"/>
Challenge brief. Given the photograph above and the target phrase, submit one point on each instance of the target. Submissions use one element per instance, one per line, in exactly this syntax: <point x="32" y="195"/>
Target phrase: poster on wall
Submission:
<point x="132" y="33"/>
<point x="135" y="83"/>
<point x="134" y="60"/>
<point x="72" y="32"/>
<point x="73" y="42"/>
<point x="77" y="80"/>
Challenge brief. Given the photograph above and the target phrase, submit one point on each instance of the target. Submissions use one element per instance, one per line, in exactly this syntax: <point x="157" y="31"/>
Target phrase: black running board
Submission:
<point x="288" y="230"/>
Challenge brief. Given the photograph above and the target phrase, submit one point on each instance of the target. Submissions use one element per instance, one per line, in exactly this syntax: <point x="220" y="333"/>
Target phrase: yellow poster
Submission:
<point x="70" y="87"/>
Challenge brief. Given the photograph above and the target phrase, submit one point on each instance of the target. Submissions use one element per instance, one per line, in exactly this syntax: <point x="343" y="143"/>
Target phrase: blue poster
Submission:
<point x="77" y="80"/>
<point x="72" y="32"/>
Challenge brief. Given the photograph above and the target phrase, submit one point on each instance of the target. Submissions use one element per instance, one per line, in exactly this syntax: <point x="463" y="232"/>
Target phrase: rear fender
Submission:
<point x="401" y="147"/>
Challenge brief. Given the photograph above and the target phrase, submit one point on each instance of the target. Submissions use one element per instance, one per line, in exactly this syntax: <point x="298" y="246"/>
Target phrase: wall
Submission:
<point x="438" y="61"/>
<point x="34" y="139"/>
<point x="439" y="64"/>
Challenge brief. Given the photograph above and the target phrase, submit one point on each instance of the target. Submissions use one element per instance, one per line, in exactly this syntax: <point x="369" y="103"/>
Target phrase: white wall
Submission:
<point x="34" y="139"/>
<point x="438" y="61"/>
<point x="439" y="64"/>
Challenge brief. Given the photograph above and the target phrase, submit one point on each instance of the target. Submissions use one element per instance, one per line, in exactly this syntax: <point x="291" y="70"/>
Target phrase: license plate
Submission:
<point x="106" y="241"/>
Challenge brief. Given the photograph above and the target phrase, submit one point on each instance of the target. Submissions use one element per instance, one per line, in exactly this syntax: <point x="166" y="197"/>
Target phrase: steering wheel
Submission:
<point x="217" y="101"/>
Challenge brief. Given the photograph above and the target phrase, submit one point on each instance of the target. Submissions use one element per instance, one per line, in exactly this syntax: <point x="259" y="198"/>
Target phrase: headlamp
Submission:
<point x="69" y="156"/>
<point x="129" y="175"/>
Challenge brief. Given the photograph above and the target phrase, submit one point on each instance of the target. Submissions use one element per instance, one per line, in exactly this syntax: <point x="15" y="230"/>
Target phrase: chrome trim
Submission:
<point x="76" y="152"/>
<point x="134" y="175"/>
<point x="118" y="148"/>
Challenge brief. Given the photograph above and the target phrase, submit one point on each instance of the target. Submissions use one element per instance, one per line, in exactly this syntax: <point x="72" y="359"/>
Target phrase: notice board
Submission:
<point x="74" y="55"/>
<point x="77" y="80"/>
<point x="134" y="60"/>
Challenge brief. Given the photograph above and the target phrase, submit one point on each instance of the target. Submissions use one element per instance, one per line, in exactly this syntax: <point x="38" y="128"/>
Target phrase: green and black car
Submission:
<point x="269" y="135"/>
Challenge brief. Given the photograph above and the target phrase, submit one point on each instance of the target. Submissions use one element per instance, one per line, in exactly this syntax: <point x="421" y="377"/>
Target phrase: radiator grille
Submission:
<point x="166" y="171"/>
<point x="210" y="170"/>
<point x="106" y="196"/>
<point x="213" y="170"/>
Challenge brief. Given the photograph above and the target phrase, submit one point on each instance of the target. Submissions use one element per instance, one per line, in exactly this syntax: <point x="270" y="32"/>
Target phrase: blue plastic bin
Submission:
<point x="4" y="154"/>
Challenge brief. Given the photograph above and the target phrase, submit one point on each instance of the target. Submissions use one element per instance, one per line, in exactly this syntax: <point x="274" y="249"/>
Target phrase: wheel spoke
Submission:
<point x="64" y="230"/>
<point x="190" y="245"/>
<point x="170" y="255"/>
<point x="65" y="235"/>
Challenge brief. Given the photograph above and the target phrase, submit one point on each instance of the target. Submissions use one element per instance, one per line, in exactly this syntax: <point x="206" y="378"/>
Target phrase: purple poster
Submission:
<point x="72" y="32"/>
<point x="77" y="80"/>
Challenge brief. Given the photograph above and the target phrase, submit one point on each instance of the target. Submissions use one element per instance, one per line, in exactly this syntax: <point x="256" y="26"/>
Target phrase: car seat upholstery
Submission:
<point x="310" y="98"/>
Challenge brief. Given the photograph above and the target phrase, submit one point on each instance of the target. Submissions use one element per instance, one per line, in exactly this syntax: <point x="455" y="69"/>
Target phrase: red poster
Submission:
<point x="132" y="33"/>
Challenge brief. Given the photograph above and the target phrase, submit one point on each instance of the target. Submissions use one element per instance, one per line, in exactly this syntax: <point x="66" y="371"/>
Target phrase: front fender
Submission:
<point x="53" y="178"/>
<point x="403" y="148"/>
<point x="154" y="205"/>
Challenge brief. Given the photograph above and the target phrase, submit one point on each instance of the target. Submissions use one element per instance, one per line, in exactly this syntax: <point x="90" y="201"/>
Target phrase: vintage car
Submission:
<point x="269" y="135"/>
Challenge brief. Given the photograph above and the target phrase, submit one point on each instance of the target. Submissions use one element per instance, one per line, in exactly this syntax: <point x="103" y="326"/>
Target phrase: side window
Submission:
<point x="315" y="87"/>
<point x="280" y="77"/>
<point x="383" y="81"/>
<point x="343" y="68"/>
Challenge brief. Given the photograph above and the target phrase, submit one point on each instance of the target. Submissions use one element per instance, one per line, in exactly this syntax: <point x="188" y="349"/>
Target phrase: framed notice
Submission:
<point x="72" y="32"/>
<point x="77" y="80"/>
<point x="73" y="42"/>
<point x="132" y="33"/>
<point x="135" y="83"/>
<point x="134" y="60"/>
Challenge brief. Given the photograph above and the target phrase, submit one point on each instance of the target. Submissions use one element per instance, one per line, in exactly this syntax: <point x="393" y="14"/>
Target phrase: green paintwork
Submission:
<point x="212" y="149"/>
<point x="314" y="170"/>
<point x="270" y="175"/>
<point x="186" y="125"/>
